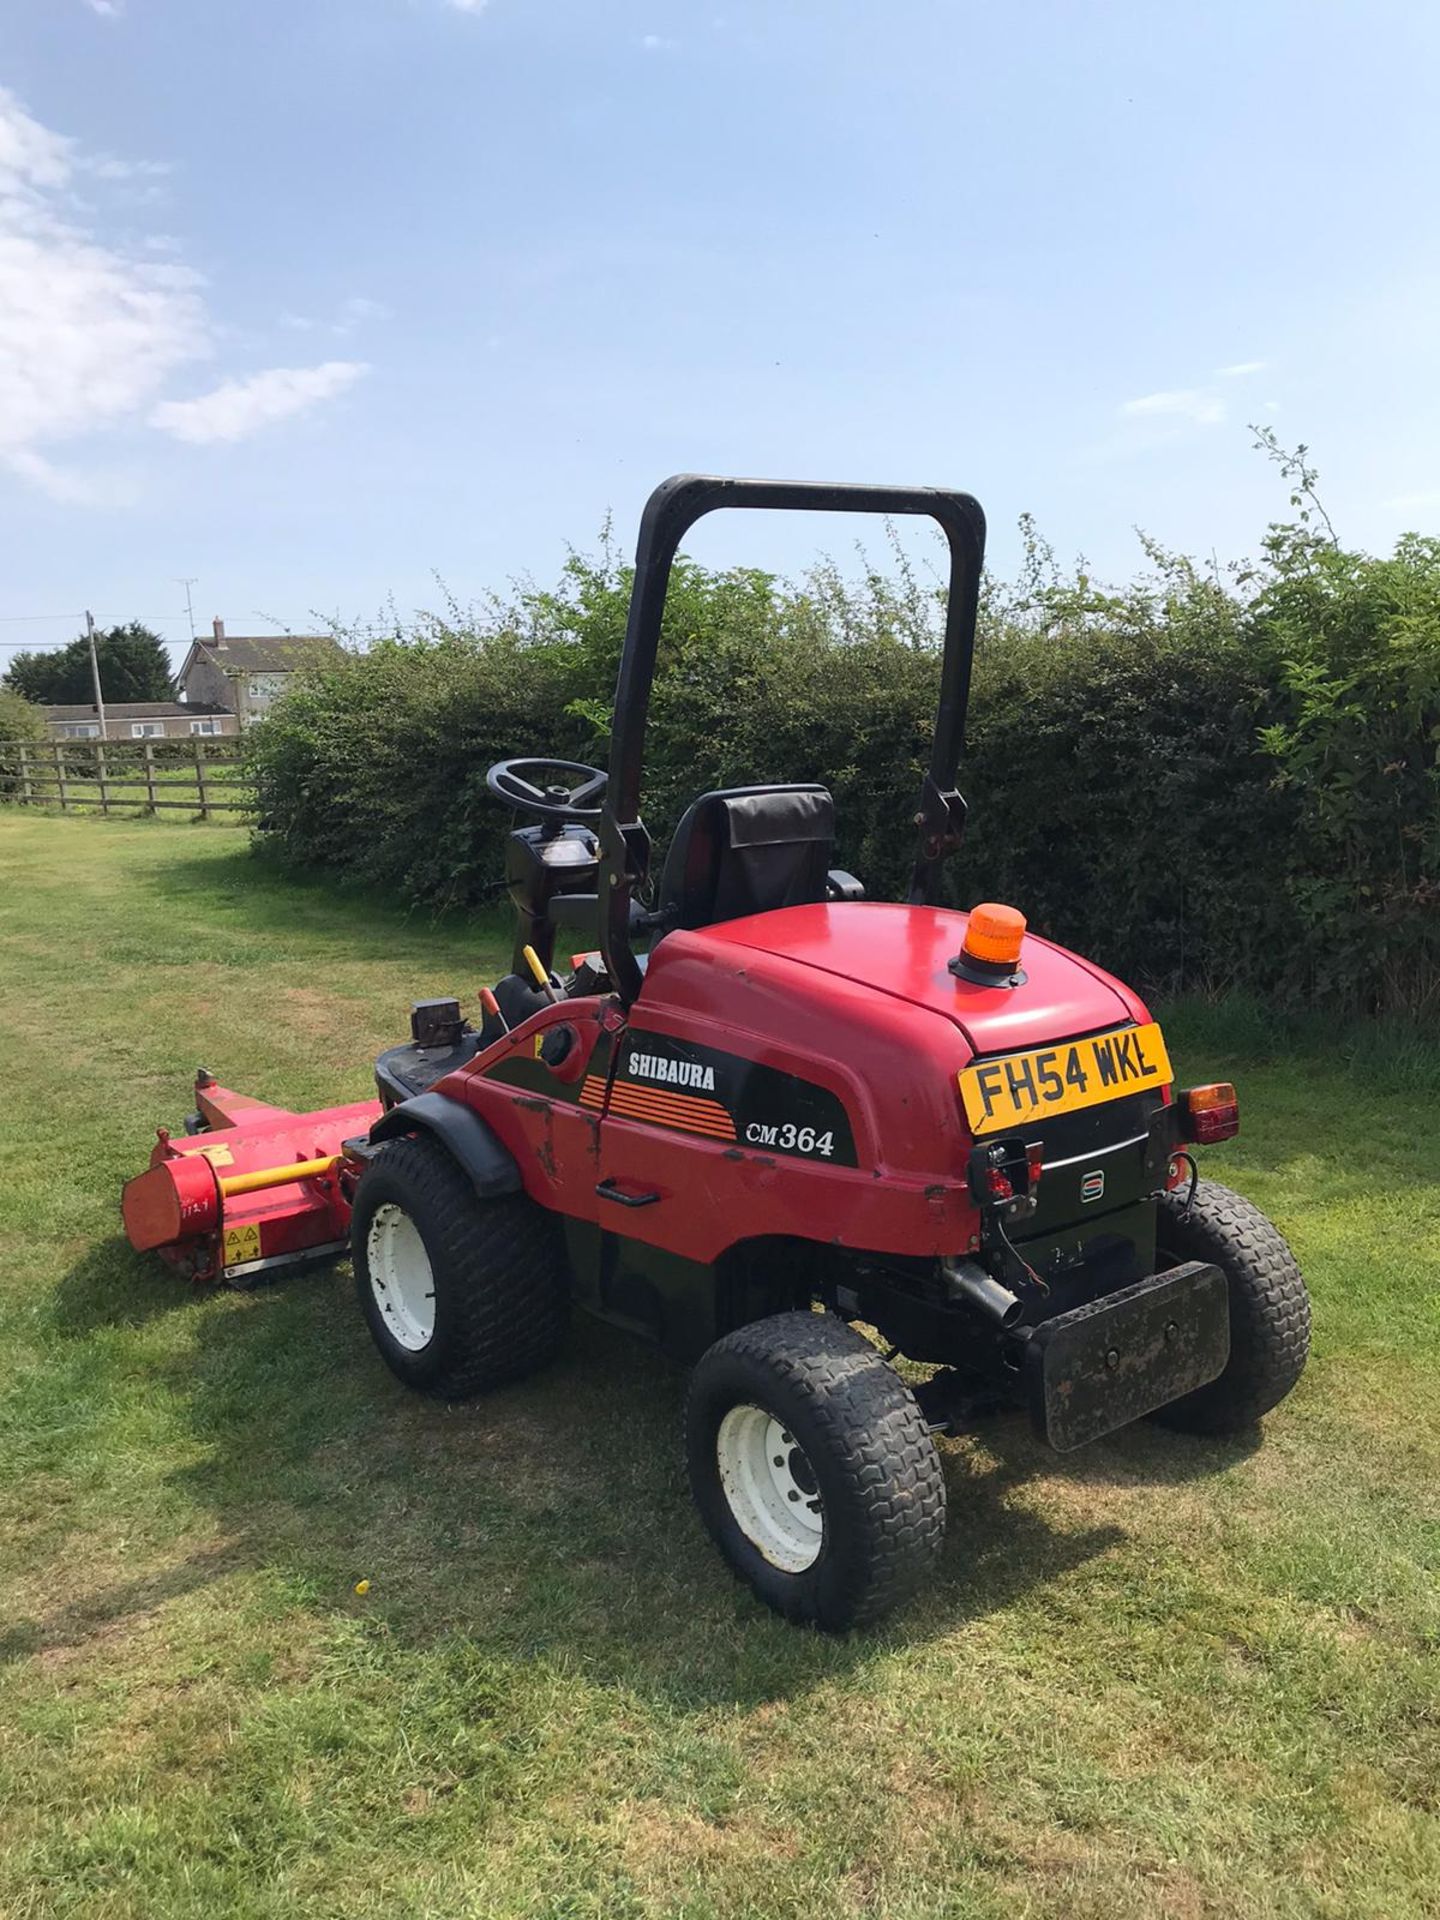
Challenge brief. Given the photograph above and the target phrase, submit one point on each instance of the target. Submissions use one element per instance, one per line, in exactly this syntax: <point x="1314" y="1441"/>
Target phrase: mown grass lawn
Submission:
<point x="1163" y="1677"/>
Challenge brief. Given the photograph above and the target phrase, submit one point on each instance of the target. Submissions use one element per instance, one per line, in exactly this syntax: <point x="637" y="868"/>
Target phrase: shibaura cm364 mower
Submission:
<point x="783" y="1131"/>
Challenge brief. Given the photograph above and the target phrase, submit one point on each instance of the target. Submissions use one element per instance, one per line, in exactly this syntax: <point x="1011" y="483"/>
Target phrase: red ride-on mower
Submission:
<point x="765" y="1114"/>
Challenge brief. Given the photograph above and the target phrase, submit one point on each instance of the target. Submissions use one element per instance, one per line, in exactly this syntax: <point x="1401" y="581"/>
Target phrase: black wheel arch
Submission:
<point x="471" y="1143"/>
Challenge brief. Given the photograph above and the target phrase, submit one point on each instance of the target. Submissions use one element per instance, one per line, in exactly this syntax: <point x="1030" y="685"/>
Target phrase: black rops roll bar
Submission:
<point x="672" y="509"/>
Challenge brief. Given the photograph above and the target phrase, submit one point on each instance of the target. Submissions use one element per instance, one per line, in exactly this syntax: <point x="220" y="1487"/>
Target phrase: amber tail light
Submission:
<point x="1208" y="1114"/>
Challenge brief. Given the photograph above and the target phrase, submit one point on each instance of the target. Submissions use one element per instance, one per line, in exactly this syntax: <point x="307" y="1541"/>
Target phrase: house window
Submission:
<point x="204" y="726"/>
<point x="87" y="730"/>
<point x="147" y="730"/>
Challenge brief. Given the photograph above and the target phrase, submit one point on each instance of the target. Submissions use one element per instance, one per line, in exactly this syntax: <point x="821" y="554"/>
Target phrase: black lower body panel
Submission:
<point x="1105" y="1364"/>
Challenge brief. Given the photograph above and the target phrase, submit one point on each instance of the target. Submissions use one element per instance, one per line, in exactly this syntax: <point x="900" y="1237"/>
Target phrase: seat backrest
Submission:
<point x="748" y="850"/>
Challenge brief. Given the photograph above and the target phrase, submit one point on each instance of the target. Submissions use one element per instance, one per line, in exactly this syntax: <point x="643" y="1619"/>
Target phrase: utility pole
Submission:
<point x="95" y="669"/>
<point x="187" y="583"/>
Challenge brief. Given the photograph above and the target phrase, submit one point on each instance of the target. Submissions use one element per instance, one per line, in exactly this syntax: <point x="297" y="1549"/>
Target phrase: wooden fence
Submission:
<point x="201" y="777"/>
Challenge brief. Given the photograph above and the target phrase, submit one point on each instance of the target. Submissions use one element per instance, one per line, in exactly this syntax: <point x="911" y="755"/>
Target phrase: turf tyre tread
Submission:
<point x="868" y="1443"/>
<point x="1269" y="1307"/>
<point x="499" y="1268"/>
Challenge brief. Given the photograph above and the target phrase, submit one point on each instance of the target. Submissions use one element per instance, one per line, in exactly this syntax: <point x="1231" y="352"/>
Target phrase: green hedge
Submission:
<point x="1202" y="785"/>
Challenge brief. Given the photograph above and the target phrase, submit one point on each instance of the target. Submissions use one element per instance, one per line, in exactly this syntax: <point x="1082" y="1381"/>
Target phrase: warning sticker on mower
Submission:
<point x="242" y="1243"/>
<point x="1011" y="1093"/>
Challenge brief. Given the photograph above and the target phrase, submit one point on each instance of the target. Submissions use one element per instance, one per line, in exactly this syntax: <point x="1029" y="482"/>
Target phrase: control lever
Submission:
<point x="542" y="978"/>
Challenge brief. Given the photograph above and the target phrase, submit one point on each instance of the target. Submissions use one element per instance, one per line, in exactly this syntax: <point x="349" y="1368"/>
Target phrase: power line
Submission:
<point x="46" y="646"/>
<point x="80" y="617"/>
<point x="49" y="645"/>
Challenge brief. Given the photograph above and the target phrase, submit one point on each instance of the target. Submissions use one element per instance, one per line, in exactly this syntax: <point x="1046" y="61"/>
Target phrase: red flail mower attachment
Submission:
<point x="256" y="1189"/>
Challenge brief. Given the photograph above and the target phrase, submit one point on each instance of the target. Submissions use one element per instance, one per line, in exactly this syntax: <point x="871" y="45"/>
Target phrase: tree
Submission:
<point x="134" y="665"/>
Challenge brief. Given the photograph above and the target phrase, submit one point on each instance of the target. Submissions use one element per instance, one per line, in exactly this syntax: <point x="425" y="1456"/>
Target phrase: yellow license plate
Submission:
<point x="1010" y="1094"/>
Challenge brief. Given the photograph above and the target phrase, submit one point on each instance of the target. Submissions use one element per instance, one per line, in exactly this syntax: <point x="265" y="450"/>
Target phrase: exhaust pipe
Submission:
<point x="967" y="1280"/>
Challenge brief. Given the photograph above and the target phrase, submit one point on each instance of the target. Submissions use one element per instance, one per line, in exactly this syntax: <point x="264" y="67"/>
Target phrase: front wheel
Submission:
<point x="459" y="1293"/>
<point x="814" y="1470"/>
<point x="1269" y="1307"/>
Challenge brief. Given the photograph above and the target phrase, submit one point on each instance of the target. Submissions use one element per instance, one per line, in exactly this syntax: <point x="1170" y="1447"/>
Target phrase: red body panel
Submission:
<point x="554" y="1140"/>
<point x="906" y="951"/>
<point x="785" y="990"/>
<point x="853" y="1002"/>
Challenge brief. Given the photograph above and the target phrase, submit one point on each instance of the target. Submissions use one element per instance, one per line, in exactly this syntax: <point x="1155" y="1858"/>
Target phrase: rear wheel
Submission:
<point x="459" y="1293"/>
<point x="814" y="1470"/>
<point x="1269" y="1307"/>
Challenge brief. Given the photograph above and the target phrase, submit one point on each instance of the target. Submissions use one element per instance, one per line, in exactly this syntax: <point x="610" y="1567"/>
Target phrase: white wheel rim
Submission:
<point x="770" y="1488"/>
<point x="401" y="1278"/>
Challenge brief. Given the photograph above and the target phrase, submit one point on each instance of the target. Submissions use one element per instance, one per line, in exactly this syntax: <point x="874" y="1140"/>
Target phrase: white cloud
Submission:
<point x="107" y="9"/>
<point x="72" y="486"/>
<point x="1184" y="403"/>
<point x="92" y="333"/>
<point x="356" y="310"/>
<point x="33" y="160"/>
<point x="1240" y="369"/>
<point x="657" y="43"/>
<point x="469" y="6"/>
<point x="352" y="313"/>
<point x="89" y="333"/>
<point x="240" y="407"/>
<point x="106" y="166"/>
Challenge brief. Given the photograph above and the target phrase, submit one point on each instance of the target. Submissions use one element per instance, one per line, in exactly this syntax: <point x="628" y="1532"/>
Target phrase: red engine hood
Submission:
<point x="905" y="951"/>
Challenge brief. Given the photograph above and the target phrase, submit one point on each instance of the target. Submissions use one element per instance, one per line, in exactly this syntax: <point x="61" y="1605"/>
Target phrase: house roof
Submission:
<point x="265" y="652"/>
<point x="137" y="710"/>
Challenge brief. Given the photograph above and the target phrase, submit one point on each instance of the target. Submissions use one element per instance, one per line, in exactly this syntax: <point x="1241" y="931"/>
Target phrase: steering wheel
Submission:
<point x="527" y="784"/>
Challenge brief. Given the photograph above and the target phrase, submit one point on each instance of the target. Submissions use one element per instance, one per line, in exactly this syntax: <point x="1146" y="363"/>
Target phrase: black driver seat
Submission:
<point x="748" y="850"/>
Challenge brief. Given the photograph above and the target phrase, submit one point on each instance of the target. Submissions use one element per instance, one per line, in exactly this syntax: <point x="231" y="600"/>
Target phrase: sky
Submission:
<point x="312" y="301"/>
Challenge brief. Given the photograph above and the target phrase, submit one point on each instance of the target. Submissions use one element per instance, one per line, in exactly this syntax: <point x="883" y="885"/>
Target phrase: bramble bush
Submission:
<point x="20" y="721"/>
<point x="1203" y="781"/>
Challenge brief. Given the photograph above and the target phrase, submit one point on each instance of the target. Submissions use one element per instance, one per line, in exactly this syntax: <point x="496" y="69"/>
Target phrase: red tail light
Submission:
<point x="1005" y="1174"/>
<point x="1208" y="1114"/>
